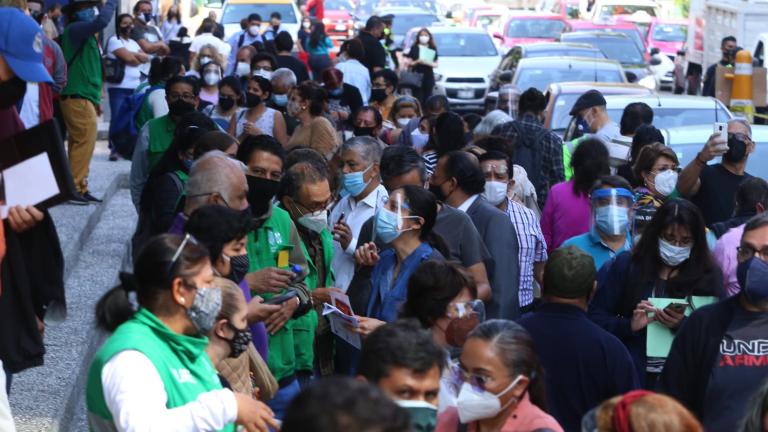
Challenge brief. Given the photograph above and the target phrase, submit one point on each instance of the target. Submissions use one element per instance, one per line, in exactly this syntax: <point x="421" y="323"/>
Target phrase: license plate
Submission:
<point x="466" y="94"/>
<point x="341" y="27"/>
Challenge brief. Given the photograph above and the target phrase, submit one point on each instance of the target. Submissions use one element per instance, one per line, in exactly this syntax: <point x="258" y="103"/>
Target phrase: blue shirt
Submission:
<point x="583" y="364"/>
<point x="591" y="243"/>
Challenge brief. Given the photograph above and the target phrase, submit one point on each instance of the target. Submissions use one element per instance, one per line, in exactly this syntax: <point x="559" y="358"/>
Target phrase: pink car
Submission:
<point x="523" y="28"/>
<point x="668" y="35"/>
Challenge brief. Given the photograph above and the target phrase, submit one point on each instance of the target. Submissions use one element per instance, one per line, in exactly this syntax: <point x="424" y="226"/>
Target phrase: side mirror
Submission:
<point x="498" y="35"/>
<point x="655" y="61"/>
<point x="631" y="76"/>
<point x="506" y="76"/>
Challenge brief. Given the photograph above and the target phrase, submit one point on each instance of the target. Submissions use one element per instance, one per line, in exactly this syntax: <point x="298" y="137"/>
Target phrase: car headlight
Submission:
<point x="648" y="82"/>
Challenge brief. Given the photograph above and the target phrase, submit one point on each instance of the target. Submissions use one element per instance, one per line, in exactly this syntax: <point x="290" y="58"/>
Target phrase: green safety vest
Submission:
<point x="84" y="68"/>
<point x="180" y="360"/>
<point x="161" y="132"/>
<point x="263" y="246"/>
<point x="568" y="148"/>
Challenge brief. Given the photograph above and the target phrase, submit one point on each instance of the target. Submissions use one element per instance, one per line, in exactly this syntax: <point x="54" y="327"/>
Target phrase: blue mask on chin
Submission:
<point x="280" y="100"/>
<point x="753" y="279"/>
<point x="86" y="15"/>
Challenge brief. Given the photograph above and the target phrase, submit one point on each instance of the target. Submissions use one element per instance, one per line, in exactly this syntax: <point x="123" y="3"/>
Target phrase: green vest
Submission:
<point x="161" y="132"/>
<point x="568" y="148"/>
<point x="180" y="360"/>
<point x="84" y="71"/>
<point x="263" y="246"/>
<point x="145" y="112"/>
<point x="304" y="327"/>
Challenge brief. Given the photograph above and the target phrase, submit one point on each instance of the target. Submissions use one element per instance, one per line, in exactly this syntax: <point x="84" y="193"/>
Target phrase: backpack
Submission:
<point x="123" y="129"/>
<point x="528" y="153"/>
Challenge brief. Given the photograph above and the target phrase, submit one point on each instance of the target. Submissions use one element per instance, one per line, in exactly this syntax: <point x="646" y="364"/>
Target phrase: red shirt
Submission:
<point x="316" y="9"/>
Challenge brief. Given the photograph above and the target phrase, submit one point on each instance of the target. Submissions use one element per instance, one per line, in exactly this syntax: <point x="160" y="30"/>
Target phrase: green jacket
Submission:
<point x="180" y="360"/>
<point x="84" y="70"/>
<point x="568" y="148"/>
<point x="161" y="132"/>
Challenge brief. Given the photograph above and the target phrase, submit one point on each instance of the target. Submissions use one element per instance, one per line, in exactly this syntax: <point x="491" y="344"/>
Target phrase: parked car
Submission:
<point x="619" y="47"/>
<point x="568" y="9"/>
<point x="609" y="8"/>
<point x="407" y="18"/>
<point x="526" y="27"/>
<point x="459" y="47"/>
<point x="668" y="35"/>
<point x="338" y="19"/>
<point x="540" y="72"/>
<point x="628" y="29"/>
<point x="235" y="11"/>
<point x="542" y="49"/>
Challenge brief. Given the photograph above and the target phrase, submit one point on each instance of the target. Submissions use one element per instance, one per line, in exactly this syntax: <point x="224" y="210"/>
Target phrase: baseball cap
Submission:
<point x="569" y="273"/>
<point x="589" y="99"/>
<point x="21" y="45"/>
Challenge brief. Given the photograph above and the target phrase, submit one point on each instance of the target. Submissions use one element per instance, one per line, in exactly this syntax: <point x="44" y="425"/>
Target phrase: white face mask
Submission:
<point x="262" y="73"/>
<point x="673" y="255"/>
<point x="243" y="69"/>
<point x="205" y="59"/>
<point x="476" y="405"/>
<point x="306" y="25"/>
<point x="423" y="39"/>
<point x="317" y="221"/>
<point x="665" y="182"/>
<point x="403" y="121"/>
<point x="211" y="78"/>
<point x="495" y="192"/>
<point x="253" y="30"/>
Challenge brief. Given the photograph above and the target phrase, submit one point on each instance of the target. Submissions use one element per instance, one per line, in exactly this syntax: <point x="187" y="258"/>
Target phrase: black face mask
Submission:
<point x="737" y="150"/>
<point x="36" y="15"/>
<point x="180" y="107"/>
<point x="238" y="265"/>
<point x="239" y="343"/>
<point x="126" y="30"/>
<point x="437" y="191"/>
<point x="363" y="131"/>
<point x="226" y="103"/>
<point x="12" y="91"/>
<point x="260" y="194"/>
<point x="252" y="100"/>
<point x="378" y="95"/>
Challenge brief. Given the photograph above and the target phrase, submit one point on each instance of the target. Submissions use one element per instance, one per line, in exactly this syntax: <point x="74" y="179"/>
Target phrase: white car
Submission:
<point x="466" y="59"/>
<point x="236" y="10"/>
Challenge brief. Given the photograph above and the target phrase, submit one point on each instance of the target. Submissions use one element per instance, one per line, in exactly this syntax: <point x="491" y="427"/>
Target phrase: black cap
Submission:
<point x="590" y="99"/>
<point x="388" y="18"/>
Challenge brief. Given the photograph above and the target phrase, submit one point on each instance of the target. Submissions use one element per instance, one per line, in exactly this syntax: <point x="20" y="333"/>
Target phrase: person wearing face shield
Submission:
<point x="509" y="95"/>
<point x="129" y="385"/>
<point x="404" y="361"/>
<point x="609" y="235"/>
<point x="728" y="48"/>
<point x="671" y="260"/>
<point x="585" y="364"/>
<point x="712" y="187"/>
<point x="501" y="383"/>
<point x="209" y="89"/>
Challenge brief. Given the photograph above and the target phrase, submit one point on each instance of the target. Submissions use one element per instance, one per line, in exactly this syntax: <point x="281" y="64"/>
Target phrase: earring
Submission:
<point x="182" y="300"/>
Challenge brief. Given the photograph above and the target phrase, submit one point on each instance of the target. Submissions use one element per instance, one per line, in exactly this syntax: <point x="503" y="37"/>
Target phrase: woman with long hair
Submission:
<point x="319" y="47"/>
<point x="307" y="104"/>
<point x="656" y="168"/>
<point x="423" y="55"/>
<point x="257" y="118"/>
<point x="171" y="23"/>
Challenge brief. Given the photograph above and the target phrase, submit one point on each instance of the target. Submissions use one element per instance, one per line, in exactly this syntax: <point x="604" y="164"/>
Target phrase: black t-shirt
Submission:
<point x="740" y="370"/>
<point x="294" y="64"/>
<point x="375" y="55"/>
<point x="717" y="195"/>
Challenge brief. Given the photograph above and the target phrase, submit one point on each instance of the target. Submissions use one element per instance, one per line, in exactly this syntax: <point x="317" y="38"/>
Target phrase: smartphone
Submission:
<point x="282" y="298"/>
<point x="677" y="307"/>
<point x="722" y="129"/>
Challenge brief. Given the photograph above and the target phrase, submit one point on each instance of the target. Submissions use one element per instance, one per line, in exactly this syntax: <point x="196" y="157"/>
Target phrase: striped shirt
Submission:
<point x="533" y="247"/>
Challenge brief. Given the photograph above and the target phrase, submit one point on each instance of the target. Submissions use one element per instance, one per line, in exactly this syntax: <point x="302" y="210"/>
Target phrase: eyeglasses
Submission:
<point x="187" y="239"/>
<point x="186" y="97"/>
<point x="684" y="242"/>
<point x="744" y="253"/>
<point x="663" y="169"/>
<point x="460" y="376"/>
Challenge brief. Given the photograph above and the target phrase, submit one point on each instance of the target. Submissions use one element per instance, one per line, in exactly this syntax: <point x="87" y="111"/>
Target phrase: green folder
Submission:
<point x="659" y="337"/>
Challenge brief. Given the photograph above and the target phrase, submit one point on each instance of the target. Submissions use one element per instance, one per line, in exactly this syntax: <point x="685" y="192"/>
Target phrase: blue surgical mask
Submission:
<point x="612" y="219"/>
<point x="386" y="225"/>
<point x="673" y="255"/>
<point x="188" y="163"/>
<point x="337" y="92"/>
<point x="753" y="279"/>
<point x="280" y="100"/>
<point x="86" y="15"/>
<point x="354" y="182"/>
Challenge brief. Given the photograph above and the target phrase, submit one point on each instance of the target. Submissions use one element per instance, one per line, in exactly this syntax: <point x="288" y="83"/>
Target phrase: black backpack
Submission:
<point x="528" y="153"/>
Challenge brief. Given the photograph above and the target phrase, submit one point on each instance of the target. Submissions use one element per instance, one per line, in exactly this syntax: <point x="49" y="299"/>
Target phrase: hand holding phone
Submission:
<point x="677" y="307"/>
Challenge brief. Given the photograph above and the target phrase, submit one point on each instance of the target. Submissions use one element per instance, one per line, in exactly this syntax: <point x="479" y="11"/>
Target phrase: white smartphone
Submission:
<point x="722" y="129"/>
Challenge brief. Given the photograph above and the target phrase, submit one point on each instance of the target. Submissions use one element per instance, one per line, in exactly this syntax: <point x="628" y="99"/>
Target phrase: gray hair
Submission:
<point x="492" y="119"/>
<point x="367" y="147"/>
<point x="214" y="172"/>
<point x="743" y="123"/>
<point x="284" y="76"/>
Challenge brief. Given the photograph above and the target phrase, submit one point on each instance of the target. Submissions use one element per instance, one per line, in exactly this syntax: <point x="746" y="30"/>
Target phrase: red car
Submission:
<point x="627" y="28"/>
<point x="338" y="20"/>
<point x="522" y="28"/>
<point x="668" y="35"/>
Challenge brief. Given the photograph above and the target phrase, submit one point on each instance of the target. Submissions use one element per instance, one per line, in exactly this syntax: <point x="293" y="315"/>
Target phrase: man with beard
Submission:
<point x="712" y="187"/>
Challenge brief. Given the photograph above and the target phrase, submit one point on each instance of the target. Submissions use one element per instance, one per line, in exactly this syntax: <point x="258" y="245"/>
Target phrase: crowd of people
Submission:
<point x="494" y="277"/>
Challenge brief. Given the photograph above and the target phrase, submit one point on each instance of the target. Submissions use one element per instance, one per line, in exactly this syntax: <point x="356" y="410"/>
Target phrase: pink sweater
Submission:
<point x="565" y="215"/>
<point x="527" y="417"/>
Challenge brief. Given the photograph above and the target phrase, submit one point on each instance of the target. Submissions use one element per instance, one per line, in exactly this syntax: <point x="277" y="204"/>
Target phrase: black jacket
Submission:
<point x="694" y="352"/>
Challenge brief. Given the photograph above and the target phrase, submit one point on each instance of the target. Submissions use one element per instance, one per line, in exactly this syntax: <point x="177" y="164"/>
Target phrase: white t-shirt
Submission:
<point x="132" y="77"/>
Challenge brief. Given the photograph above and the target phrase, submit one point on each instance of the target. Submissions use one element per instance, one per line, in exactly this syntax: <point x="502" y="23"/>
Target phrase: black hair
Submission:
<point x="727" y="39"/>
<point x="514" y="347"/>
<point x="162" y="69"/>
<point x="344" y="404"/>
<point x="233" y="82"/>
<point x="214" y="140"/>
<point x="314" y="94"/>
<point x="138" y="4"/>
<point x="497" y="155"/>
<point x="432" y="287"/>
<point x="263" y="143"/>
<point x="472" y="120"/>
<point x="154" y="273"/>
<point x="214" y="226"/>
<point x="183" y="32"/>
<point x="318" y="35"/>
<point x="436" y="102"/>
<point x="422" y="203"/>
<point x="373" y="23"/>
<point x="399" y="160"/>
<point x="207" y="26"/>
<point x="283" y="41"/>
<point x="299" y="174"/>
<point x="751" y="192"/>
<point x="589" y="162"/>
<point x="401" y="344"/>
<point x="190" y="81"/>
<point x="117" y="23"/>
<point x="464" y="168"/>
<point x="449" y="133"/>
<point x="532" y="101"/>
<point x="695" y="275"/>
<point x="645" y="134"/>
<point x="260" y="56"/>
<point x="275" y="15"/>
<point x="389" y="76"/>
<point x="756" y="222"/>
<point x="264" y="84"/>
<point x="303" y="154"/>
<point x="496" y="143"/>
<point x="614" y="182"/>
<point x="355" y="49"/>
<point x="634" y="115"/>
<point x="376" y="114"/>
<point x="254" y="17"/>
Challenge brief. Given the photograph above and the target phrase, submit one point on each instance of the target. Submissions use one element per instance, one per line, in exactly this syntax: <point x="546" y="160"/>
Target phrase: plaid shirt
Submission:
<point x="533" y="247"/>
<point x="552" y="171"/>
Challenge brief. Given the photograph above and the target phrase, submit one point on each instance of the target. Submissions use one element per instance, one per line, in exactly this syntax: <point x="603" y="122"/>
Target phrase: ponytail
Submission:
<point x="114" y="307"/>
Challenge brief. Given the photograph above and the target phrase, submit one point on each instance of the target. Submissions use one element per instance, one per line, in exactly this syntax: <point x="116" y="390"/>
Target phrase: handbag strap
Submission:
<point x="77" y="53"/>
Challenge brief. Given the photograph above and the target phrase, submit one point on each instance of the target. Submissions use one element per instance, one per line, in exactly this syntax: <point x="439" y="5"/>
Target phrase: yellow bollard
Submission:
<point x="741" y="92"/>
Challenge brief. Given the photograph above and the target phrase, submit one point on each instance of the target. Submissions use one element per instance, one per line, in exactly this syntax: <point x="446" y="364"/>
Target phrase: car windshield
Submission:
<point x="402" y="23"/>
<point x="622" y="50"/>
<point x="234" y="13"/>
<point x="485" y="21"/>
<point x="465" y="45"/>
<point x="567" y="52"/>
<point x="611" y="10"/>
<point x="674" y="117"/>
<point x="535" y="28"/>
<point x="343" y="5"/>
<point x="541" y="78"/>
<point x="670" y="33"/>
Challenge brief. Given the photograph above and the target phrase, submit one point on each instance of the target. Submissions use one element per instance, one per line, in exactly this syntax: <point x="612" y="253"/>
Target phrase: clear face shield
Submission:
<point x="508" y="99"/>
<point x="611" y="210"/>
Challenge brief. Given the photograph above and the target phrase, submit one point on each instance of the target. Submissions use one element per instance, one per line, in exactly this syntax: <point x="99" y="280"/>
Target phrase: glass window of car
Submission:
<point x="674" y="117"/>
<point x="402" y="23"/>
<point x="465" y="45"/>
<point x="670" y="32"/>
<point x="541" y="78"/>
<point x="566" y="52"/>
<point x="486" y="21"/>
<point x="535" y="28"/>
<point x="234" y="13"/>
<point x="621" y="49"/>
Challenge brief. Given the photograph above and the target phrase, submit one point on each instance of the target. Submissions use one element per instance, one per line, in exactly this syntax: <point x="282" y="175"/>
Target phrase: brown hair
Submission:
<point x="649" y="413"/>
<point x="230" y="297"/>
<point x="648" y="157"/>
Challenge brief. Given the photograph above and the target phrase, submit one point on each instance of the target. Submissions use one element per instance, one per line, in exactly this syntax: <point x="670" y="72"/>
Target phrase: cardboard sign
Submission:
<point x="723" y="86"/>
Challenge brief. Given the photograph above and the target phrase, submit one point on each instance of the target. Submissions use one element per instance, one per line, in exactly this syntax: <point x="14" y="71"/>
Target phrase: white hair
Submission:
<point x="284" y="76"/>
<point x="743" y="123"/>
<point x="367" y="147"/>
<point x="490" y="121"/>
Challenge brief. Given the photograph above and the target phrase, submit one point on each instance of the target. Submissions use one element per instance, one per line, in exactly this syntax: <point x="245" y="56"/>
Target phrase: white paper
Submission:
<point x="29" y="183"/>
<point x="341" y="317"/>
